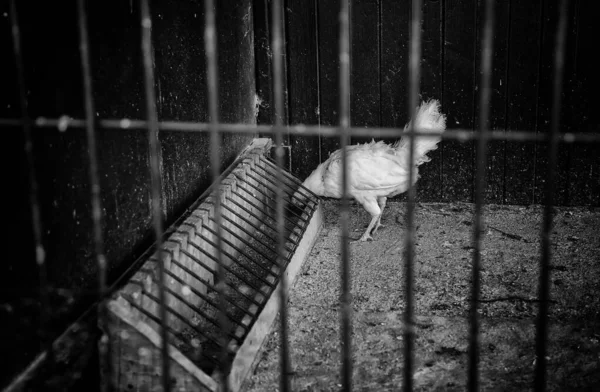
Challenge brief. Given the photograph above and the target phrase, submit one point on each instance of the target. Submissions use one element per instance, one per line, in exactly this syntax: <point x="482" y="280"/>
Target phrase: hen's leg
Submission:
<point x="381" y="201"/>
<point x="372" y="208"/>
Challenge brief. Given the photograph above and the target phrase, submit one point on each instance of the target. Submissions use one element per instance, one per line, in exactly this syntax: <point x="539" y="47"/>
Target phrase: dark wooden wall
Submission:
<point x="522" y="87"/>
<point x="53" y="76"/>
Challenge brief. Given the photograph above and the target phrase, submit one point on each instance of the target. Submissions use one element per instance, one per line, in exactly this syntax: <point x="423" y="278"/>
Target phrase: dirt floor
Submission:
<point x="509" y="281"/>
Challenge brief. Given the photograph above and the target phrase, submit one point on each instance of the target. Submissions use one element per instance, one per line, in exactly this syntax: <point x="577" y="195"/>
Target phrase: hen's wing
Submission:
<point x="368" y="170"/>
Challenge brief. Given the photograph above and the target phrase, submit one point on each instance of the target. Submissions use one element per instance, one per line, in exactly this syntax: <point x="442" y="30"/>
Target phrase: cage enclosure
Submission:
<point x="203" y="117"/>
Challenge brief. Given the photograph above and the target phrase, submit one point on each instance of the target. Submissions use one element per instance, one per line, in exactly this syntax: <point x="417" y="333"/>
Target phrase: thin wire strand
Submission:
<point x="459" y="134"/>
<point x="414" y="69"/>
<point x="103" y="352"/>
<point x="484" y="114"/>
<point x="346" y="295"/>
<point x="277" y="47"/>
<point x="212" y="82"/>
<point x="542" y="327"/>
<point x="36" y="220"/>
<point x="154" y="146"/>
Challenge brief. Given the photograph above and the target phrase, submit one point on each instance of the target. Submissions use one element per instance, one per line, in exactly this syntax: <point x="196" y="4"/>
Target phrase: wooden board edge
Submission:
<point x="153" y="337"/>
<point x="248" y="355"/>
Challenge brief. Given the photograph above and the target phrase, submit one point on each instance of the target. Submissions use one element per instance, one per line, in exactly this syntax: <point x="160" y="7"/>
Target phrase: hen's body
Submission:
<point x="378" y="170"/>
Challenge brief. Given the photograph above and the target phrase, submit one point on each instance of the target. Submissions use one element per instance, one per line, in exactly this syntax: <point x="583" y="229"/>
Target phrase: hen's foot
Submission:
<point x="377" y="227"/>
<point x="365" y="237"/>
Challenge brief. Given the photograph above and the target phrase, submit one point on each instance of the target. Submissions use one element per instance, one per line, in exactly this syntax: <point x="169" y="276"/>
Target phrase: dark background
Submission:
<point x="522" y="82"/>
<point x="521" y="99"/>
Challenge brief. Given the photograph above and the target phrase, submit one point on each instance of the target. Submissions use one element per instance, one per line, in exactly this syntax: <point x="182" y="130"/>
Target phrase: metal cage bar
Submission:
<point x="219" y="248"/>
<point x="484" y="115"/>
<point x="294" y="242"/>
<point x="155" y="319"/>
<point x="154" y="146"/>
<point x="245" y="243"/>
<point x="206" y="267"/>
<point x="98" y="238"/>
<point x="209" y="286"/>
<point x="344" y="124"/>
<point x="344" y="130"/>
<point x="460" y="134"/>
<point x="258" y="230"/>
<point x="212" y="82"/>
<point x="36" y="220"/>
<point x="264" y="203"/>
<point x="266" y="169"/>
<point x="209" y="301"/>
<point x="542" y="327"/>
<point x="277" y="190"/>
<point x="414" y="72"/>
<point x="276" y="47"/>
<point x="305" y="191"/>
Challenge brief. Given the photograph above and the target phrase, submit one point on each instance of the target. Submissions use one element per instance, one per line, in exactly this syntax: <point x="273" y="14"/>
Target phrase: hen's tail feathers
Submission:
<point x="429" y="118"/>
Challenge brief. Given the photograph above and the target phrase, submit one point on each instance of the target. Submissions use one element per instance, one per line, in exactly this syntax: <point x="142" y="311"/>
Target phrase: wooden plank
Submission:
<point x="498" y="112"/>
<point x="364" y="66"/>
<point x="263" y="71"/>
<point x="522" y="95"/>
<point x="429" y="187"/>
<point x="584" y="173"/>
<point x="549" y="20"/>
<point x="285" y="71"/>
<point x="395" y="24"/>
<point x="178" y="26"/>
<point x="395" y="28"/>
<point x="180" y="63"/>
<point x="264" y="67"/>
<point x="303" y="83"/>
<point x="237" y="88"/>
<point x="546" y="93"/>
<point x="494" y="191"/>
<point x="137" y="342"/>
<point x="247" y="357"/>
<point x="458" y="95"/>
<point x="328" y="26"/>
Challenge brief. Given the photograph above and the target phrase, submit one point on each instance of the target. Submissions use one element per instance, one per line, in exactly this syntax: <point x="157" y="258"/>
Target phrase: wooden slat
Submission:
<point x="522" y="94"/>
<point x="137" y="342"/>
<point x="496" y="149"/>
<point x="459" y="94"/>
<point x="394" y="62"/>
<point x="247" y="357"/>
<point x="303" y="83"/>
<point x="364" y="66"/>
<point x="261" y="14"/>
<point x="429" y="187"/>
<point x="584" y="174"/>
<point x="328" y="25"/>
<point x="264" y="76"/>
<point x="548" y="42"/>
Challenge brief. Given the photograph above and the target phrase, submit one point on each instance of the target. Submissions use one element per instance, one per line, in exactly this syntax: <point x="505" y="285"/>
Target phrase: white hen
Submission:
<point x="377" y="170"/>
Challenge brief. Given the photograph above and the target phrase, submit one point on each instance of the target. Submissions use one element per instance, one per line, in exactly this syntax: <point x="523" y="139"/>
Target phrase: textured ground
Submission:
<point x="509" y="280"/>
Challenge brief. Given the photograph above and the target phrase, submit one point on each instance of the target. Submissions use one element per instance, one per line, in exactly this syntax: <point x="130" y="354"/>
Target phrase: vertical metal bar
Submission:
<point x="103" y="353"/>
<point x="212" y="82"/>
<point x="542" y="327"/>
<point x="414" y="70"/>
<point x="277" y="44"/>
<point x="484" y="114"/>
<point x="346" y="299"/>
<point x="154" y="145"/>
<point x="36" y="219"/>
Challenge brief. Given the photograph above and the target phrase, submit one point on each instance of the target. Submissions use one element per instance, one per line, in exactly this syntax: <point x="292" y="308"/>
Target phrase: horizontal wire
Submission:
<point x="460" y="134"/>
